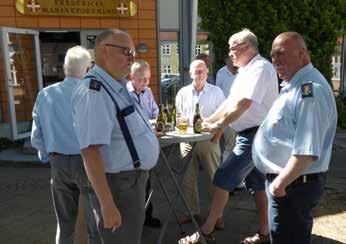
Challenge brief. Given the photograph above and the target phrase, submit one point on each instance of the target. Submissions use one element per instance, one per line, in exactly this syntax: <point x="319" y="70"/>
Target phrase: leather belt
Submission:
<point x="60" y="154"/>
<point x="301" y="179"/>
<point x="248" y="131"/>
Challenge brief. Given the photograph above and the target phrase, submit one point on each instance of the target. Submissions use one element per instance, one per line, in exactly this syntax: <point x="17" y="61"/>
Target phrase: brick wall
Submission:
<point x="142" y="28"/>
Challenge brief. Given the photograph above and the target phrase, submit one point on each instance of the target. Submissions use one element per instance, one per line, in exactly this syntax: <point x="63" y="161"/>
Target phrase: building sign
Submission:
<point x="100" y="8"/>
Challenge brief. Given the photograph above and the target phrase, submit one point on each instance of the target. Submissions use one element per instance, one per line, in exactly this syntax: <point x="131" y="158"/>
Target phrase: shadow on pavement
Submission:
<point x="324" y="240"/>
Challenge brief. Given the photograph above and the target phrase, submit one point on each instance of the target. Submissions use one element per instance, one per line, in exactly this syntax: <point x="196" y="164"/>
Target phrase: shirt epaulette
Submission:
<point x="94" y="85"/>
<point x="306" y="90"/>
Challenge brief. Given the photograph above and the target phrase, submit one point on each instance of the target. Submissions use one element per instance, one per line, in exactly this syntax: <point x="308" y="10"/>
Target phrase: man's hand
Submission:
<point x="210" y="127"/>
<point x="277" y="189"/>
<point x="111" y="216"/>
<point x="158" y="134"/>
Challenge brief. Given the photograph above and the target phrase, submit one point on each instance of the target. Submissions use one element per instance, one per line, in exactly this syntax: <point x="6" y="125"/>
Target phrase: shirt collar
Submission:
<point x="70" y="79"/>
<point x="297" y="77"/>
<point x="204" y="89"/>
<point x="130" y="87"/>
<point x="117" y="85"/>
<point x="254" y="59"/>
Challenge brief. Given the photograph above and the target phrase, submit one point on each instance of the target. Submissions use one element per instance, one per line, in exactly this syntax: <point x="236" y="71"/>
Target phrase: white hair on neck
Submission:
<point x="76" y="62"/>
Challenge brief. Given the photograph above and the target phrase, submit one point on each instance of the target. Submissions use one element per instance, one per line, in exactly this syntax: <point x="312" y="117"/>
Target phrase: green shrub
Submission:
<point x="320" y="22"/>
<point x="341" y="107"/>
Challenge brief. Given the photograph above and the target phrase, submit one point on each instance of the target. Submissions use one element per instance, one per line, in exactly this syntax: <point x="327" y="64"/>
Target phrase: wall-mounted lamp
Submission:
<point x="142" y="48"/>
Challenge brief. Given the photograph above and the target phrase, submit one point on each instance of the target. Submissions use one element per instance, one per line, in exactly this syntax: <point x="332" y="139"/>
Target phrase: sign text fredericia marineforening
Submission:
<point x="106" y="8"/>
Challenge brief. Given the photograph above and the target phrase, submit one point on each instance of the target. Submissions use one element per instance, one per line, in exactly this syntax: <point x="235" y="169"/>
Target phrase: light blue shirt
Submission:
<point x="52" y="127"/>
<point x="209" y="100"/>
<point x="95" y="122"/>
<point x="224" y="80"/>
<point x="302" y="121"/>
<point x="145" y="100"/>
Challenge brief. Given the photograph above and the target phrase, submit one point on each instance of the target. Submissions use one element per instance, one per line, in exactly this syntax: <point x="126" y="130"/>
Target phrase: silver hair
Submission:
<point x="244" y="36"/>
<point x="197" y="62"/>
<point x="77" y="60"/>
<point x="138" y="64"/>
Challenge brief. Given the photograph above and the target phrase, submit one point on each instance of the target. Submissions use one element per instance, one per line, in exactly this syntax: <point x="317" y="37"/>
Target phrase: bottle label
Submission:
<point x="198" y="126"/>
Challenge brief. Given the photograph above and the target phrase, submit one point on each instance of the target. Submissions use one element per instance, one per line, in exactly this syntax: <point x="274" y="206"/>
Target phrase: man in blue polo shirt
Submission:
<point x="294" y="143"/>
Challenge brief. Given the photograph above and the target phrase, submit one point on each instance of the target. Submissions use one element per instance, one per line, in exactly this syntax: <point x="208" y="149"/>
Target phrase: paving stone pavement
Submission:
<point x="27" y="217"/>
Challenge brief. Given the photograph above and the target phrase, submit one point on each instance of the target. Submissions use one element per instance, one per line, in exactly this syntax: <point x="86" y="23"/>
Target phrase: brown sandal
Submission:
<point x="257" y="239"/>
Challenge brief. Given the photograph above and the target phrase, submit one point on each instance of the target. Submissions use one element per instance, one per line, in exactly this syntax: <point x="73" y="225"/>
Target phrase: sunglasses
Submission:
<point x="128" y="52"/>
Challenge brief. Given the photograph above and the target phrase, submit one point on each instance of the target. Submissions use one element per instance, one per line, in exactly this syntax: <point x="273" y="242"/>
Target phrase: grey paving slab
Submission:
<point x="27" y="217"/>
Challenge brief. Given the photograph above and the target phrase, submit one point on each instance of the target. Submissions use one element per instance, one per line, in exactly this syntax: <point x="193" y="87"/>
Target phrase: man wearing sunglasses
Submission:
<point x="116" y="141"/>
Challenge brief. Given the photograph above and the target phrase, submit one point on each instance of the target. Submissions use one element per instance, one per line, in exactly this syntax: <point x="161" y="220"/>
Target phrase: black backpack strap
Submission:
<point x="121" y="114"/>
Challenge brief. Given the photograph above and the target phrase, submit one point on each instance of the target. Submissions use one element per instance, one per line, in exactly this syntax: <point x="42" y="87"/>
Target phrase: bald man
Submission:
<point x="294" y="143"/>
<point x="116" y="141"/>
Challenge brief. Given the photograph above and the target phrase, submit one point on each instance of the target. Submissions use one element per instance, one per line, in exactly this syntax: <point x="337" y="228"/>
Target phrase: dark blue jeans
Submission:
<point x="290" y="217"/>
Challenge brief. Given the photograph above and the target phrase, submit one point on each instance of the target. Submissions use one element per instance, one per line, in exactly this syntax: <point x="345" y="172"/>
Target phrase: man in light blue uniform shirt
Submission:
<point x="139" y="90"/>
<point x="294" y="143"/>
<point x="116" y="141"/>
<point x="207" y="153"/>
<point x="54" y="137"/>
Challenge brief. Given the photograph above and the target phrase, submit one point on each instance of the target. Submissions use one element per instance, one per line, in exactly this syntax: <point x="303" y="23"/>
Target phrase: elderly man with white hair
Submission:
<point x="252" y="94"/>
<point x="54" y="137"/>
<point x="207" y="153"/>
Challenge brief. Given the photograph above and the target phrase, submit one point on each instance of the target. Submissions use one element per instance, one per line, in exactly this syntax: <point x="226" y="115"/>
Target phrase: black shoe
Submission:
<point x="152" y="222"/>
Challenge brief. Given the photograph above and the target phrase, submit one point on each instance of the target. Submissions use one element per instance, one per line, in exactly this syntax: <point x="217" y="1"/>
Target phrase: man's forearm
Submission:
<point x="219" y="113"/>
<point x="95" y="170"/>
<point x="234" y="113"/>
<point x="294" y="168"/>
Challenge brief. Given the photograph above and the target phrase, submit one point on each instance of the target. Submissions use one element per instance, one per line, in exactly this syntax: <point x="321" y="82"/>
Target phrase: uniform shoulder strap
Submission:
<point x="121" y="114"/>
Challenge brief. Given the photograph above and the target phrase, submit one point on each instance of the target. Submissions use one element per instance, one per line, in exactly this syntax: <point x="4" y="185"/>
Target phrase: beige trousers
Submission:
<point x="208" y="154"/>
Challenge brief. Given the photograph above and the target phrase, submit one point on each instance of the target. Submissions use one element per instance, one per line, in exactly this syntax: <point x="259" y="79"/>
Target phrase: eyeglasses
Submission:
<point x="236" y="47"/>
<point x="128" y="52"/>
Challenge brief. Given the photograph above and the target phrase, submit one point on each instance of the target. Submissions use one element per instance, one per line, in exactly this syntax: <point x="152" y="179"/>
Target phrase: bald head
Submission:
<point x="294" y="39"/>
<point x="289" y="54"/>
<point x="114" y="52"/>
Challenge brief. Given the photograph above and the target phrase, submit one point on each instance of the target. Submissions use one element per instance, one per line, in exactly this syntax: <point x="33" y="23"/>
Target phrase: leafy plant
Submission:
<point x="341" y="107"/>
<point x="320" y="22"/>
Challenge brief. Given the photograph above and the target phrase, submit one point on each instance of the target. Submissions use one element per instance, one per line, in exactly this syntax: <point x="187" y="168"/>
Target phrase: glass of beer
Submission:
<point x="182" y="125"/>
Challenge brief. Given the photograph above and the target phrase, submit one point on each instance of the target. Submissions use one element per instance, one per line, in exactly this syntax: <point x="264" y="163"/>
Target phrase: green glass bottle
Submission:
<point x="197" y="121"/>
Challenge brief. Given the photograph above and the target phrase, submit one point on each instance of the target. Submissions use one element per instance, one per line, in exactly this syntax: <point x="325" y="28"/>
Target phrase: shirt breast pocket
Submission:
<point x="280" y="131"/>
<point x="135" y="123"/>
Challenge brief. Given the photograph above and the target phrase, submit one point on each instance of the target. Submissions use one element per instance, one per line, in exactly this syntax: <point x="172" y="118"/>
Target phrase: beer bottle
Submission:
<point x="166" y="112"/>
<point x="174" y="115"/>
<point x="160" y="121"/>
<point x="197" y="121"/>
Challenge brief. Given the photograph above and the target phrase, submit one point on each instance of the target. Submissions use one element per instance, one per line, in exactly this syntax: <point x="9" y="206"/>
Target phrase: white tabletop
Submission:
<point x="172" y="137"/>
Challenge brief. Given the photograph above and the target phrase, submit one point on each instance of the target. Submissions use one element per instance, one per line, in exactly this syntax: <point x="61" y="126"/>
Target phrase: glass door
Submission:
<point x="21" y="77"/>
<point x="87" y="38"/>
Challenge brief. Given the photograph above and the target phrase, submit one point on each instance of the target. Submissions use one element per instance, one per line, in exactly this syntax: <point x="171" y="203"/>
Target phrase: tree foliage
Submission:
<point x="320" y="22"/>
